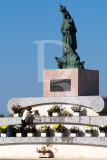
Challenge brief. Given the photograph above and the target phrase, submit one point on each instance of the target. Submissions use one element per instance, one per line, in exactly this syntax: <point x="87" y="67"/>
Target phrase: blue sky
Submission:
<point x="25" y="21"/>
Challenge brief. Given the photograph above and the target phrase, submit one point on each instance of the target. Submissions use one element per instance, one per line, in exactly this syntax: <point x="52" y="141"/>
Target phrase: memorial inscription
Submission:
<point x="60" y="85"/>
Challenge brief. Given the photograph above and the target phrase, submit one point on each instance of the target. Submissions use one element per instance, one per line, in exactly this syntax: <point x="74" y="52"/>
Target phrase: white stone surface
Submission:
<point x="59" y="134"/>
<point x="88" y="134"/>
<point x="97" y="103"/>
<point x="93" y="141"/>
<point x="82" y="120"/>
<point x="59" y="151"/>
<point x="16" y="114"/>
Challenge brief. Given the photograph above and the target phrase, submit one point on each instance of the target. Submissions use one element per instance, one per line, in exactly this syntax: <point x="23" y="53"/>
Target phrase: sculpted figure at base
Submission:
<point x="70" y="58"/>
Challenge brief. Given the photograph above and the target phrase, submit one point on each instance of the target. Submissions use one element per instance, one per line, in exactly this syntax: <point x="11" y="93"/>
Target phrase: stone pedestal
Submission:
<point x="70" y="82"/>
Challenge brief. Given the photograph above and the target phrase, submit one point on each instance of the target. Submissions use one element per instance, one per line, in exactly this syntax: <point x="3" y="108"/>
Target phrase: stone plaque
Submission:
<point x="60" y="85"/>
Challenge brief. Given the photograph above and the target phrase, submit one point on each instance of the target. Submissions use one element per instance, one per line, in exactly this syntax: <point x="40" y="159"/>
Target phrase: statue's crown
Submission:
<point x="62" y="8"/>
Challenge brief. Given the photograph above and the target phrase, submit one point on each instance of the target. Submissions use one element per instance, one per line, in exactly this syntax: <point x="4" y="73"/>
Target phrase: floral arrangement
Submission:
<point x="102" y="129"/>
<point x="44" y="150"/>
<point x="29" y="128"/>
<point x="74" y="129"/>
<point x="76" y="108"/>
<point x="54" y="109"/>
<point x="45" y="128"/>
<point x="88" y="129"/>
<point x="18" y="128"/>
<point x="59" y="128"/>
<point x="3" y="129"/>
<point x="16" y="109"/>
<point x="64" y="113"/>
<point x="50" y="111"/>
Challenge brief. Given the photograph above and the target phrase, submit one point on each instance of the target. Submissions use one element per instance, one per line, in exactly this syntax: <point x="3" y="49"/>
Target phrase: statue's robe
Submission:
<point x="68" y="30"/>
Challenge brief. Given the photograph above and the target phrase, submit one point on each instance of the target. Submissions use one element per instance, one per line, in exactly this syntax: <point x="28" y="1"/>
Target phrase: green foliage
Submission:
<point x="102" y="129"/>
<point x="45" y="128"/>
<point x="21" y="113"/>
<point x="54" y="109"/>
<point x="3" y="129"/>
<point x="18" y="128"/>
<point x="30" y="128"/>
<point x="73" y="129"/>
<point x="1" y="115"/>
<point x="88" y="129"/>
<point x="64" y="113"/>
<point x="16" y="109"/>
<point x="59" y="128"/>
<point x="50" y="111"/>
<point x="76" y="108"/>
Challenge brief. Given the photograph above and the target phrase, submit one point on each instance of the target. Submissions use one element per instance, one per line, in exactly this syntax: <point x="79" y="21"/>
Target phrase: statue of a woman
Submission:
<point x="70" y="58"/>
<point x="68" y="30"/>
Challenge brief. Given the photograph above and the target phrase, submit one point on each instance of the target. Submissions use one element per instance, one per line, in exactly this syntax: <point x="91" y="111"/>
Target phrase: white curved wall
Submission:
<point x="60" y="151"/>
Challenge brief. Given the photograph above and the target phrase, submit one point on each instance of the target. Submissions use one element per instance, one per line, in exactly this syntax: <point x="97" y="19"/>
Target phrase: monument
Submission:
<point x="70" y="58"/>
<point x="70" y="86"/>
<point x="70" y="79"/>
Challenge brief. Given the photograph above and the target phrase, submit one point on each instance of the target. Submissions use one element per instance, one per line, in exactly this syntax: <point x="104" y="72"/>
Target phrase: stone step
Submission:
<point x="82" y="120"/>
<point x="94" y="141"/>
